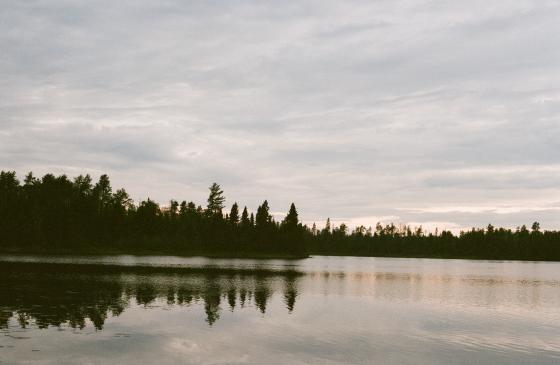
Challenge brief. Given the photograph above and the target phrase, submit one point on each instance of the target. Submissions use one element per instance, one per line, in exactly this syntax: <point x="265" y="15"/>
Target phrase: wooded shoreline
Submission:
<point x="58" y="215"/>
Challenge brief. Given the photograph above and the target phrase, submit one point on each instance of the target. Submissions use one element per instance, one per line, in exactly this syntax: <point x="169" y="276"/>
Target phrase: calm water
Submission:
<point x="323" y="310"/>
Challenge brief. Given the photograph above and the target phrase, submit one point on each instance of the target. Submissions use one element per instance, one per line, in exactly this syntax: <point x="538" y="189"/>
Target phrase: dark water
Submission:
<point x="324" y="310"/>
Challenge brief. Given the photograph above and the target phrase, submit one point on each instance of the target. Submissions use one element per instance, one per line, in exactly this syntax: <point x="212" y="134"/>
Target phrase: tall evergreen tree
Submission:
<point x="327" y="226"/>
<point x="263" y="217"/>
<point x="291" y="219"/>
<point x="245" y="222"/>
<point x="102" y="193"/>
<point x="234" y="214"/>
<point x="216" y="200"/>
<point x="173" y="208"/>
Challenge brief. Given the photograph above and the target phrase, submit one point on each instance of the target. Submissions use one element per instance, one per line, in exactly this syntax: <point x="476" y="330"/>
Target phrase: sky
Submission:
<point x="432" y="113"/>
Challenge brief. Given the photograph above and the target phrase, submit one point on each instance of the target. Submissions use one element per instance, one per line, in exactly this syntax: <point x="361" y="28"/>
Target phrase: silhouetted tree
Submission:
<point x="263" y="217"/>
<point x="234" y="214"/>
<point x="291" y="219"/>
<point x="102" y="192"/>
<point x="216" y="200"/>
<point x="245" y="222"/>
<point x="327" y="229"/>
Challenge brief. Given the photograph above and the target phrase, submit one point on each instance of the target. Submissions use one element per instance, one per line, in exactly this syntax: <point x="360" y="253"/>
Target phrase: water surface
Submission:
<point x="322" y="310"/>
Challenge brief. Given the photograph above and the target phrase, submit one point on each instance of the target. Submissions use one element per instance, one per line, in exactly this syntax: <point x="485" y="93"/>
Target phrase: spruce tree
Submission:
<point x="263" y="216"/>
<point x="245" y="222"/>
<point x="291" y="220"/>
<point x="234" y="214"/>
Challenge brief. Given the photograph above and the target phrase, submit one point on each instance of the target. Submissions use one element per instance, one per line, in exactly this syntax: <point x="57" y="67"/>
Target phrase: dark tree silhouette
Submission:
<point x="216" y="200"/>
<point x="245" y="222"/>
<point x="55" y="214"/>
<point x="234" y="214"/>
<point x="291" y="219"/>
<point x="263" y="218"/>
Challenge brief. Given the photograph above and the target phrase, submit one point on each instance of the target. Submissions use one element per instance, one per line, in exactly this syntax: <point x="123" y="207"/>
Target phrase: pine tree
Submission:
<point x="216" y="200"/>
<point x="102" y="191"/>
<point x="173" y="208"/>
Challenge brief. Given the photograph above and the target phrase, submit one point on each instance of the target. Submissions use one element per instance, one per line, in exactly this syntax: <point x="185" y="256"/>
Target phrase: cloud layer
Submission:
<point x="422" y="111"/>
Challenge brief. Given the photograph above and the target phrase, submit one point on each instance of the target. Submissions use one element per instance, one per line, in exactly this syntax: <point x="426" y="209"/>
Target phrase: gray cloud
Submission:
<point x="351" y="109"/>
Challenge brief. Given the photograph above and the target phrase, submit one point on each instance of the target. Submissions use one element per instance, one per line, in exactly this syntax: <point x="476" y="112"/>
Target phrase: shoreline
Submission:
<point x="254" y="255"/>
<point x="211" y="255"/>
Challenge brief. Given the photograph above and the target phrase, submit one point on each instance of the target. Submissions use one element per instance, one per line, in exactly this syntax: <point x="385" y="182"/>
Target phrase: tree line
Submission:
<point x="56" y="214"/>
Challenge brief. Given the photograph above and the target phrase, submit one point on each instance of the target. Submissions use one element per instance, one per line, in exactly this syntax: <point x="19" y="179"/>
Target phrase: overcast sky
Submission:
<point x="439" y="113"/>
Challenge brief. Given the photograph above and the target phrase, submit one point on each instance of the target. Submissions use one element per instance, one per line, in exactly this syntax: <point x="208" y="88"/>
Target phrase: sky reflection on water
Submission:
<point x="323" y="310"/>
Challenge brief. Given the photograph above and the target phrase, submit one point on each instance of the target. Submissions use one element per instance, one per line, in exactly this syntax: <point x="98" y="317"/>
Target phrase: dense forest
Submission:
<point x="55" y="214"/>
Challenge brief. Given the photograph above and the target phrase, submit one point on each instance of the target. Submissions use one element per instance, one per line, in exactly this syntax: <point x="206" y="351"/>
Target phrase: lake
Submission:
<point x="321" y="310"/>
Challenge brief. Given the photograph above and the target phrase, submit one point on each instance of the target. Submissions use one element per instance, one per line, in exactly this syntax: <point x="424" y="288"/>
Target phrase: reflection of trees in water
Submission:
<point x="262" y="294"/>
<point x="60" y="301"/>
<point x="231" y="297"/>
<point x="145" y="294"/>
<point x="211" y="298"/>
<point x="290" y="293"/>
<point x="49" y="299"/>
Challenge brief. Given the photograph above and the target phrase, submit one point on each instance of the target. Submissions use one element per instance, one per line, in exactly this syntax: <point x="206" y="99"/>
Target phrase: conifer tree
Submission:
<point x="263" y="216"/>
<point x="291" y="220"/>
<point x="102" y="191"/>
<point x="234" y="214"/>
<point x="245" y="222"/>
<point x="216" y="200"/>
<point x="327" y="226"/>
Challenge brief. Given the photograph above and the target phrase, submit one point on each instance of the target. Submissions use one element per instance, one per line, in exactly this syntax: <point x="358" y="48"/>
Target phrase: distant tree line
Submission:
<point x="57" y="214"/>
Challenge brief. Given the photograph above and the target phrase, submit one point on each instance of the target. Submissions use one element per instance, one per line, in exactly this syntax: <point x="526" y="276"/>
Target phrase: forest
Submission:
<point x="59" y="215"/>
